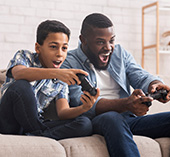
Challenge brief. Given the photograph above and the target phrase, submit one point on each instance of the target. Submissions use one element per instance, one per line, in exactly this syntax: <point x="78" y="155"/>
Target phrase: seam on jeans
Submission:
<point x="18" y="94"/>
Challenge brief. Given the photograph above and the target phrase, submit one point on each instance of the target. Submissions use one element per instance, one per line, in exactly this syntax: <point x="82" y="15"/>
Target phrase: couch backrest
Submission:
<point x="2" y="76"/>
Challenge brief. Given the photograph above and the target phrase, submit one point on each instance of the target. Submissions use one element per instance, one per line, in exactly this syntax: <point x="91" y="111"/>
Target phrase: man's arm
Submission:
<point x="133" y="103"/>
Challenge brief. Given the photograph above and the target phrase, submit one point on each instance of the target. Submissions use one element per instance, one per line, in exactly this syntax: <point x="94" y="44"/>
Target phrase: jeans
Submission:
<point x="19" y="115"/>
<point x="118" y="130"/>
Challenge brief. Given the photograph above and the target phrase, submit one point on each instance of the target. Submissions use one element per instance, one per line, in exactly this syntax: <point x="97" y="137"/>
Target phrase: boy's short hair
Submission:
<point x="95" y="20"/>
<point x="50" y="26"/>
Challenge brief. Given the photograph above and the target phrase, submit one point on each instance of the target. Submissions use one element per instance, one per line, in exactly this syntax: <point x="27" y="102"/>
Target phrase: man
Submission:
<point x="117" y="114"/>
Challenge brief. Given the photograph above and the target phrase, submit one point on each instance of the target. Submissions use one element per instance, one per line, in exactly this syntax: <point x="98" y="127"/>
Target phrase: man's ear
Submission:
<point x="82" y="39"/>
<point x="37" y="47"/>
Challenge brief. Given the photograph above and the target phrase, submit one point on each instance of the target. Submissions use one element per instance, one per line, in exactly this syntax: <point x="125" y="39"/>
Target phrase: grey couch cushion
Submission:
<point x="94" y="146"/>
<point x="165" y="146"/>
<point x="29" y="146"/>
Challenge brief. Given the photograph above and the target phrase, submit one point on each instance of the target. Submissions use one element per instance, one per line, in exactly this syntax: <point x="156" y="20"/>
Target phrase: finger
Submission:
<point x="153" y="88"/>
<point x="83" y="100"/>
<point x="71" y="82"/>
<point x="76" y="79"/>
<point x="98" y="93"/>
<point x="87" y="96"/>
<point x="168" y="96"/>
<point x="68" y="82"/>
<point x="145" y="99"/>
<point x="81" y="71"/>
<point x="138" y="92"/>
<point x="157" y="86"/>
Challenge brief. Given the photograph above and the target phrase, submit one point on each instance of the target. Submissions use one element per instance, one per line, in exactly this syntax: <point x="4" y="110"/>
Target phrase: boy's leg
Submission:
<point x="18" y="110"/>
<point x="117" y="134"/>
<point x="78" y="127"/>
<point x="154" y="126"/>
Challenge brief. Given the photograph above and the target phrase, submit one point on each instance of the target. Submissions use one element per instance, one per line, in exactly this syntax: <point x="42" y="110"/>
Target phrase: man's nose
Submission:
<point x="108" y="47"/>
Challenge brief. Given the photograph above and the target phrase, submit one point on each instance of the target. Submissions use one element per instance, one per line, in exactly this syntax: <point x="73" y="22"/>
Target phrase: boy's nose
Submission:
<point x="59" y="52"/>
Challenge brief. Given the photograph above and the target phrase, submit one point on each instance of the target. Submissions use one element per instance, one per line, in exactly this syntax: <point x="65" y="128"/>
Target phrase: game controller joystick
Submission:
<point x="86" y="85"/>
<point x="160" y="94"/>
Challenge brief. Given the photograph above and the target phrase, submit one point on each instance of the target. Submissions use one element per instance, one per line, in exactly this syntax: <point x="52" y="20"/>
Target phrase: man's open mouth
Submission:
<point x="104" y="57"/>
<point x="57" y="64"/>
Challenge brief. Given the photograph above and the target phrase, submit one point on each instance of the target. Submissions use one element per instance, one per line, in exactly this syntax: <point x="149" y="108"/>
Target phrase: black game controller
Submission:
<point x="160" y="94"/>
<point x="86" y="85"/>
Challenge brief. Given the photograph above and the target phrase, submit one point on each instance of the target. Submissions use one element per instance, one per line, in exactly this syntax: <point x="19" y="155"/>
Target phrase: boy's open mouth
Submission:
<point x="57" y="64"/>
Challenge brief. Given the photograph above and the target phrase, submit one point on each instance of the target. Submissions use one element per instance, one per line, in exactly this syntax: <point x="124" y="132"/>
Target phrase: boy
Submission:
<point x="34" y="80"/>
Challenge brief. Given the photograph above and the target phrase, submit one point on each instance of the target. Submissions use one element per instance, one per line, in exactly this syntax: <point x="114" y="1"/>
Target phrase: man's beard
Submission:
<point x="94" y="60"/>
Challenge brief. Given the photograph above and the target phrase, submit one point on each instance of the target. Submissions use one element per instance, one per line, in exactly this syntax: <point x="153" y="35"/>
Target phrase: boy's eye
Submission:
<point x="65" y="48"/>
<point x="53" y="46"/>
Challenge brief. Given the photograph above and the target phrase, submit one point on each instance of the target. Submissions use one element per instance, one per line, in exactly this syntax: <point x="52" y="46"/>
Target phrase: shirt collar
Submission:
<point x="37" y="62"/>
<point x="82" y="56"/>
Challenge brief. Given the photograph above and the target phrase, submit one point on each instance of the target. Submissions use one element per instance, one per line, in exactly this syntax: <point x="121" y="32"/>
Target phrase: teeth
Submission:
<point x="57" y="62"/>
<point x="106" y="54"/>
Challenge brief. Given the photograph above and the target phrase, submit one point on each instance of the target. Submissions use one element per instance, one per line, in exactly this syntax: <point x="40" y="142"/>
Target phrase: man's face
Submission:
<point x="53" y="51"/>
<point x="98" y="46"/>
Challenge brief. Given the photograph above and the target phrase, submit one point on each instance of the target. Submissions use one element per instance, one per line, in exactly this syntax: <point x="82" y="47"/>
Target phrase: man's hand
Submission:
<point x="135" y="103"/>
<point x="156" y="86"/>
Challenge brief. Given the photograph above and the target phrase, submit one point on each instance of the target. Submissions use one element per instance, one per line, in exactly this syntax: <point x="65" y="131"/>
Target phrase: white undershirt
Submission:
<point x="109" y="89"/>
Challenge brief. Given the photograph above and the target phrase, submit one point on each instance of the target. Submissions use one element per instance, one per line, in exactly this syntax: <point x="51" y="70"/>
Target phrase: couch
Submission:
<point x="91" y="146"/>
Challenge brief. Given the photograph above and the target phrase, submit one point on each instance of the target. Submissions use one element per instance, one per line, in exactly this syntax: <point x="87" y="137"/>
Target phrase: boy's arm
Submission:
<point x="32" y="73"/>
<point x="64" y="111"/>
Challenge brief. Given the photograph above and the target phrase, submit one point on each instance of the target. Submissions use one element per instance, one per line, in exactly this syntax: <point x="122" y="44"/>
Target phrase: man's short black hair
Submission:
<point x="50" y="26"/>
<point x="95" y="20"/>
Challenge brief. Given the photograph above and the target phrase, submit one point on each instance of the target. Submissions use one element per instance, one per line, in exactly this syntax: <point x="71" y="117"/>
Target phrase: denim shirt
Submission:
<point x="122" y="68"/>
<point x="45" y="90"/>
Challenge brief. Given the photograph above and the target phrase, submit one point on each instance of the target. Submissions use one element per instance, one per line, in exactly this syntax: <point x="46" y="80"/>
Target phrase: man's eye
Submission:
<point x="100" y="42"/>
<point x="112" y="41"/>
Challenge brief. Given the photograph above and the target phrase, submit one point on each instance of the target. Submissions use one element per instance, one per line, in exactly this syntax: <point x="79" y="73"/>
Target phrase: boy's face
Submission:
<point x="53" y="51"/>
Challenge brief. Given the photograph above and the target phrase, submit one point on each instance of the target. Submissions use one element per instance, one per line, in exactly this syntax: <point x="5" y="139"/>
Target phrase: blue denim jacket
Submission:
<point x="122" y="68"/>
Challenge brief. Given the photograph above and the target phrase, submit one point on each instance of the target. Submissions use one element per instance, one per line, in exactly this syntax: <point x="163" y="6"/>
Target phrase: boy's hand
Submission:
<point x="88" y="100"/>
<point x="69" y="75"/>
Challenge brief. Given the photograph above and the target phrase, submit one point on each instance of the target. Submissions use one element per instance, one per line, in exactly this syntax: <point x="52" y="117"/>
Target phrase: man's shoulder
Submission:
<point x="72" y="52"/>
<point x="120" y="51"/>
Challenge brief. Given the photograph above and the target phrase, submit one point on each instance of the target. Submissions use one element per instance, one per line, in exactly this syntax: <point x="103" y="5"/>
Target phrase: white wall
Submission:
<point x="20" y="18"/>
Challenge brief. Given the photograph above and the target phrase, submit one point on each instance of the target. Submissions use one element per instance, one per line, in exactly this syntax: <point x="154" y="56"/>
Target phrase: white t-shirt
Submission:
<point x="109" y="89"/>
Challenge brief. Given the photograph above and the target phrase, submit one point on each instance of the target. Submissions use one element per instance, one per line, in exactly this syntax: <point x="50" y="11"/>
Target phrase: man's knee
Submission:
<point x="112" y="117"/>
<point x="112" y="121"/>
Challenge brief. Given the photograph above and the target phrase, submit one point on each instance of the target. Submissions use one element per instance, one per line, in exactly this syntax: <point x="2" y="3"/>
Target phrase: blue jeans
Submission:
<point x="118" y="130"/>
<point x="19" y="115"/>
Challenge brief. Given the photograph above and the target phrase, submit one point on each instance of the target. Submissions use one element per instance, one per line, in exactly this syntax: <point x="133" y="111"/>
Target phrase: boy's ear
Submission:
<point x="82" y="39"/>
<point x="37" y="47"/>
